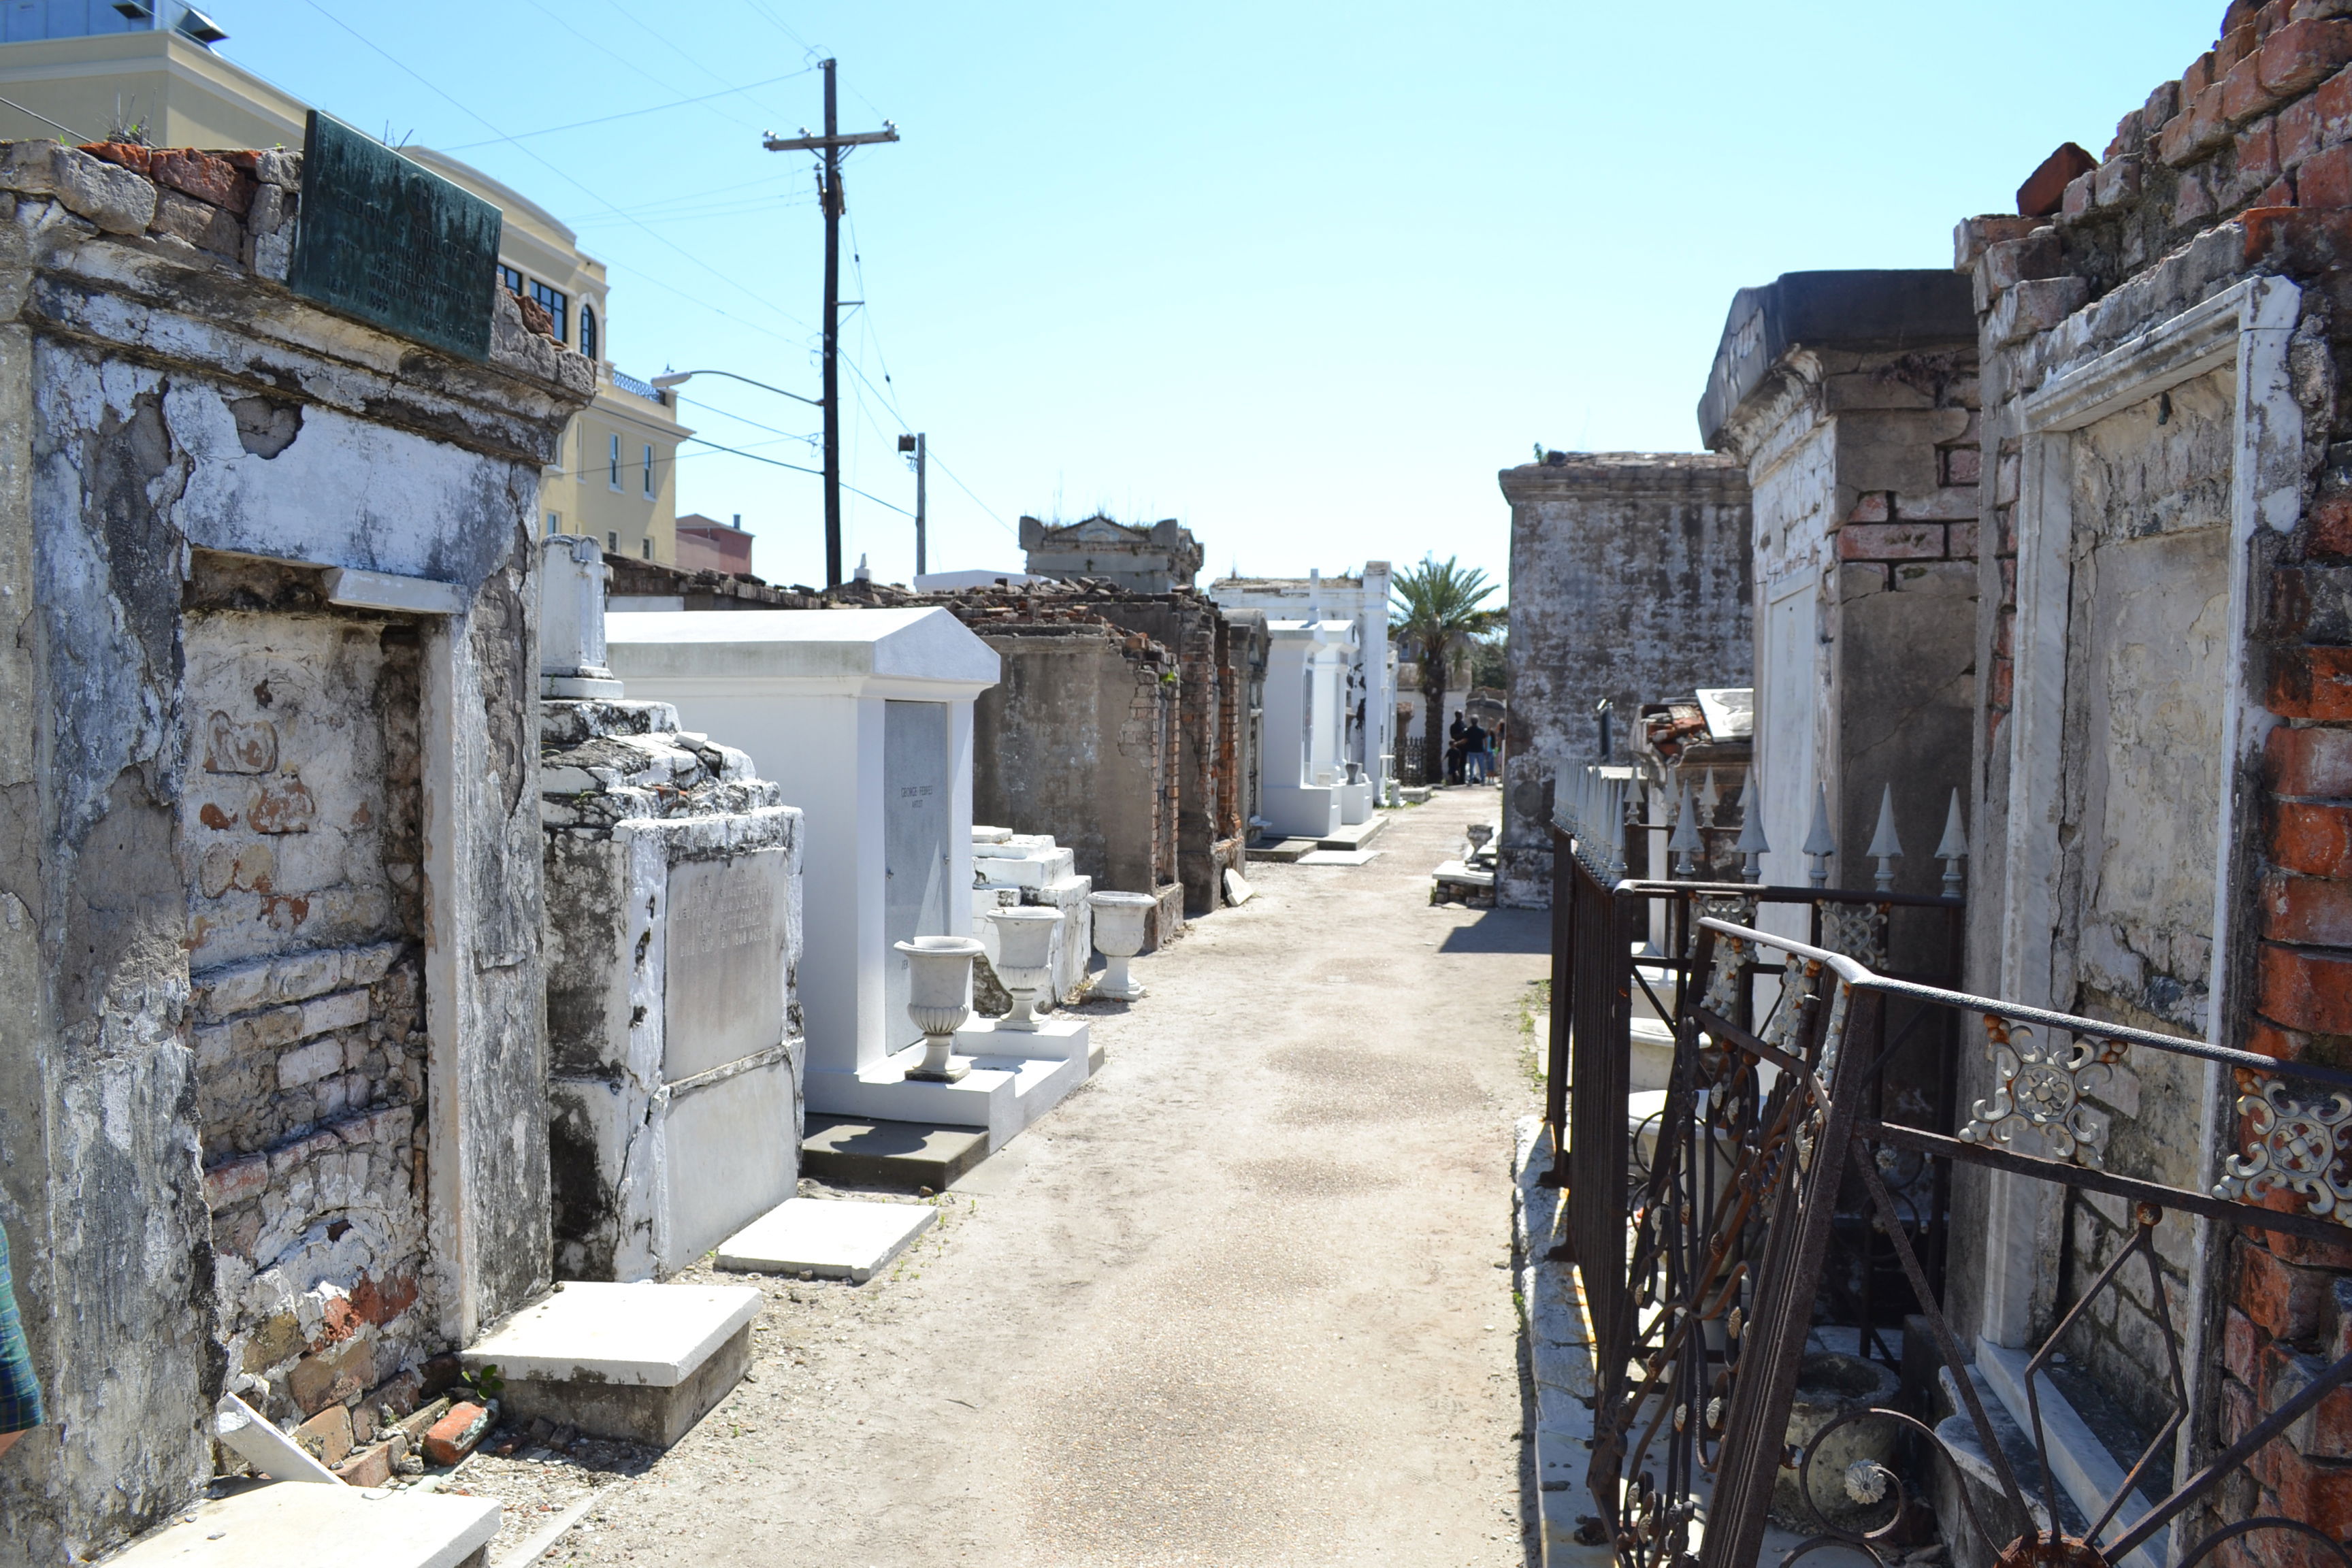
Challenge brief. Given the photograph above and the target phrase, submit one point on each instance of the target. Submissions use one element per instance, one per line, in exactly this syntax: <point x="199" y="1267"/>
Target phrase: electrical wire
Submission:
<point x="624" y="114"/>
<point x="45" y="120"/>
<point x="931" y="452"/>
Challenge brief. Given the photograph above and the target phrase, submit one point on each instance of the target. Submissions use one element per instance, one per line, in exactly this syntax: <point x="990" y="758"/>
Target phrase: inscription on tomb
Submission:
<point x="723" y="984"/>
<point x="394" y="244"/>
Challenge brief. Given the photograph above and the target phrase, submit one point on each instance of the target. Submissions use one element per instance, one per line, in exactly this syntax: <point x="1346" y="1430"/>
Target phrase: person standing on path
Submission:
<point x="20" y="1391"/>
<point x="1457" y="734"/>
<point x="1474" y="754"/>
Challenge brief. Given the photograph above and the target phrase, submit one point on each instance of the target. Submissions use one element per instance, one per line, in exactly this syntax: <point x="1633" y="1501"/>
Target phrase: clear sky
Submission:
<point x="1302" y="275"/>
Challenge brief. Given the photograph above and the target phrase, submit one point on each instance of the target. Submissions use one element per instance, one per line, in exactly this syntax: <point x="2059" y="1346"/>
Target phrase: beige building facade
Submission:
<point x="82" y="69"/>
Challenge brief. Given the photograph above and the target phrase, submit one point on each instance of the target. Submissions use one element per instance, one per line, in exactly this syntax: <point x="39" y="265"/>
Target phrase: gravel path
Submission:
<point x="1243" y="1300"/>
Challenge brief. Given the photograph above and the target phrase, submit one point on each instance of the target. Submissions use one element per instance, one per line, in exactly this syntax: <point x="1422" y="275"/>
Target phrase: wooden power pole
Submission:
<point x="829" y="147"/>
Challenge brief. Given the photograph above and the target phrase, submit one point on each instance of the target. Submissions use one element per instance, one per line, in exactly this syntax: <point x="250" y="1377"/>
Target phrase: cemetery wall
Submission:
<point x="212" y="1091"/>
<point x="1629" y="581"/>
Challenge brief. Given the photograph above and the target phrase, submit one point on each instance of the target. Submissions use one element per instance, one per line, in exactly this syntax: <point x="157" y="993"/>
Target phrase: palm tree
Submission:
<point x="1439" y="607"/>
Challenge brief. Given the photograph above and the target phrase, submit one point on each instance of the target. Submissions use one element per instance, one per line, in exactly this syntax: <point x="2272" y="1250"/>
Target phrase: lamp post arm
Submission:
<point x="675" y="377"/>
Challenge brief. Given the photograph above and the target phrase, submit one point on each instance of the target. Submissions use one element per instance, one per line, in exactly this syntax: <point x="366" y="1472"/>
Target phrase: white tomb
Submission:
<point x="864" y="716"/>
<point x="1311" y="790"/>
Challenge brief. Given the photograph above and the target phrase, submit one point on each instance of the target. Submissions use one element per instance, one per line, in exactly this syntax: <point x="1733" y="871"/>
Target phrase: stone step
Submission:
<point x="1285" y="851"/>
<point x="285" y="1524"/>
<point x="853" y="1152"/>
<point x="1355" y="834"/>
<point x="834" y="1238"/>
<point x="641" y="1362"/>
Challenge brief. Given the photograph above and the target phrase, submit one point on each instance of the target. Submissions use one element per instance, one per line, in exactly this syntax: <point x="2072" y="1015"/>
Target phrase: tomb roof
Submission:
<point x="1856" y="312"/>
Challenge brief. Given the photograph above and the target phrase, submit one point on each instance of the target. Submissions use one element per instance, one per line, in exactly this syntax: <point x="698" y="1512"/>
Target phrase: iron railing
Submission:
<point x="1774" y="1129"/>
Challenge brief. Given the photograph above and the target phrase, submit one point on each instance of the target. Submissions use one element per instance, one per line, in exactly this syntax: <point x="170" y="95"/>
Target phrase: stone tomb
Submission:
<point x="865" y="717"/>
<point x="1311" y="790"/>
<point x="674" y="933"/>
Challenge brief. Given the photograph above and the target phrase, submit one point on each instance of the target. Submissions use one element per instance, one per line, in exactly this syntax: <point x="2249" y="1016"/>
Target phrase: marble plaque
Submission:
<point x="724" y="981"/>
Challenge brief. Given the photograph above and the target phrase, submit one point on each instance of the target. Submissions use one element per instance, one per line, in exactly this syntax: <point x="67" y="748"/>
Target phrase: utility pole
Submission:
<point x="914" y="443"/>
<point x="829" y="147"/>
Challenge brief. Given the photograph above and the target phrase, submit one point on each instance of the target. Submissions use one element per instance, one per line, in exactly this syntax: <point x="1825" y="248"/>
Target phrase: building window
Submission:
<point x="588" y="330"/>
<point x="649" y="473"/>
<point x="612" y="541"/>
<point x="557" y="305"/>
<point x="554" y="523"/>
<point x="510" y="279"/>
<point x="613" y="464"/>
<point x="649" y="549"/>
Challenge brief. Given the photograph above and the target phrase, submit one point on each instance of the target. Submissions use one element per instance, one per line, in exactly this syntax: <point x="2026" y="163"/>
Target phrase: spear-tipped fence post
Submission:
<point x="1885" y="845"/>
<point x="1820" y="843"/>
<point x="1686" y="837"/>
<point x="1751" y="847"/>
<point x="1952" y="848"/>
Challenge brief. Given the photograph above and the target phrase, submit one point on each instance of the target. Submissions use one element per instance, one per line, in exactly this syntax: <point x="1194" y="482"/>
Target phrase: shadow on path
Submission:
<point x="1502" y="931"/>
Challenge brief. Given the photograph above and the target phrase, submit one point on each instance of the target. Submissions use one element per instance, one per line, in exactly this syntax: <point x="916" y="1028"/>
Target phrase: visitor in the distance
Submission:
<point x="20" y="1391"/>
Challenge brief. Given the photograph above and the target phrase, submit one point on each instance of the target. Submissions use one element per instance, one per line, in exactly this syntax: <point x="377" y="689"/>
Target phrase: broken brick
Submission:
<point x="456" y="1434"/>
<point x="2045" y="189"/>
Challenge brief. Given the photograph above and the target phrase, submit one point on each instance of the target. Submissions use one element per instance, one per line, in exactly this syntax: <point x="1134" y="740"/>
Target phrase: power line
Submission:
<point x="45" y="120"/>
<point x="542" y="161"/>
<point x="779" y="463"/>
<point x="624" y="114"/>
<point x="933" y="452"/>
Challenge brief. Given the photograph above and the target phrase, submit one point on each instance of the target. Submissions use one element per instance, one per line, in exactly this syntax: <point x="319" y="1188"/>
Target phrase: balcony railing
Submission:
<point x="645" y="389"/>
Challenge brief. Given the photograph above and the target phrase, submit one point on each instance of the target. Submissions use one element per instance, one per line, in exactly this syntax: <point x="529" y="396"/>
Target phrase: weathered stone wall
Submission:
<point x="1073" y="742"/>
<point x="165" y="407"/>
<point x="1629" y="581"/>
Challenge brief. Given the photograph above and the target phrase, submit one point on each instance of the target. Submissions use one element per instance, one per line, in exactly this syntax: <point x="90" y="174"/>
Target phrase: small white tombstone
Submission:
<point x="572" y="576"/>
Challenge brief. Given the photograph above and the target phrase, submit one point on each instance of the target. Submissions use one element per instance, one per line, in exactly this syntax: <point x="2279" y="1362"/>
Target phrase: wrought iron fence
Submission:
<point x="1774" y="1129"/>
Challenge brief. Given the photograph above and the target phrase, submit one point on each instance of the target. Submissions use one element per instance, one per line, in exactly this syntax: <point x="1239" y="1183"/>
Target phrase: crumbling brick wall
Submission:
<point x="2240" y="170"/>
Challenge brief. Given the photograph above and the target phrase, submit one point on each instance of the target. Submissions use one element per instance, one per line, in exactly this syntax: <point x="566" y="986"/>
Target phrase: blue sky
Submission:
<point x="1302" y="275"/>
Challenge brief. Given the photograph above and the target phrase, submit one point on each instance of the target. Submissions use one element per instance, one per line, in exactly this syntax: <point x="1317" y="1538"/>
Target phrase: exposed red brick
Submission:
<point x="2270" y="1040"/>
<point x="2315" y="911"/>
<point x="2242" y="1347"/>
<point x="2279" y="193"/>
<point x="2282" y="1300"/>
<point x="2311" y="683"/>
<point x="2045" y="189"/>
<point x="2301" y="54"/>
<point x="1961" y="541"/>
<point x="2004" y="688"/>
<point x="2008" y="571"/>
<point x="2130" y="132"/>
<point x="1891" y="541"/>
<point x="2196" y="131"/>
<point x="2196" y="78"/>
<point x="2327" y="526"/>
<point x="371" y="1468"/>
<point x="2240" y="1414"/>
<point x="2325" y="179"/>
<point x="2306" y="988"/>
<point x="128" y="155"/>
<point x="456" y="1434"/>
<point x="2258" y="158"/>
<point x="380" y="1303"/>
<point x="2311" y="1491"/>
<point x="2331" y="108"/>
<point x="2243" y="95"/>
<point x="328" y="1434"/>
<point x="1871" y="508"/>
<point x="207" y="176"/>
<point x="2309" y="761"/>
<point x="339" y="1322"/>
<point x="2298" y="132"/>
<point x="2236" y="43"/>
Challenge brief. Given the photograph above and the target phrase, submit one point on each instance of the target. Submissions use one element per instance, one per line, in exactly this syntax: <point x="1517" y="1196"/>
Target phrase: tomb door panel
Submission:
<point x="1786" y="765"/>
<point x="918" y="796"/>
<point x="2143" y="773"/>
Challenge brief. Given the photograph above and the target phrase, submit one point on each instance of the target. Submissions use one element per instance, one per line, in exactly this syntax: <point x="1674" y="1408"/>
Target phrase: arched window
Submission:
<point x="588" y="332"/>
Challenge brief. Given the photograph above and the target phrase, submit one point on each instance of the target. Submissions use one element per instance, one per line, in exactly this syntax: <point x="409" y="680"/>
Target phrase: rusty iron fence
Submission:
<point x="1775" y="1128"/>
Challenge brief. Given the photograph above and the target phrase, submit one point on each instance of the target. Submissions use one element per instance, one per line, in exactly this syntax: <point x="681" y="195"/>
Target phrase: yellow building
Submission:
<point x="95" y="71"/>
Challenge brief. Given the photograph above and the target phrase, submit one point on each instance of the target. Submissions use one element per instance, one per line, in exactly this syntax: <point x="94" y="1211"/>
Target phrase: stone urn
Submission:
<point x="1830" y="1386"/>
<point x="939" y="1000"/>
<point x="1480" y="834"/>
<point x="1024" y="961"/>
<point x="1120" y="920"/>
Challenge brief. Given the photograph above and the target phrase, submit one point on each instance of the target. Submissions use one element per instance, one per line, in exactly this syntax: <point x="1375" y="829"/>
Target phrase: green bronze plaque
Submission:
<point x="393" y="243"/>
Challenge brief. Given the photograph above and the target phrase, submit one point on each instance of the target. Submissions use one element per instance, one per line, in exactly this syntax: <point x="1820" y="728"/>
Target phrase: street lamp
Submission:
<point x="678" y="377"/>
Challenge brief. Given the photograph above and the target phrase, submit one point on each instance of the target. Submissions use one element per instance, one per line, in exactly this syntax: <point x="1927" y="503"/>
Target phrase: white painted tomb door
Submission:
<point x="917" y="840"/>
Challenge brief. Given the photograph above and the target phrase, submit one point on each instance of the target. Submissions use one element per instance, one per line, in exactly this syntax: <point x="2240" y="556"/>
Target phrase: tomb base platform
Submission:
<point x="833" y="1238"/>
<point x="1015" y="1078"/>
<point x="1284" y="851"/>
<point x="867" y="1152"/>
<point x="643" y="1363"/>
<point x="285" y="1524"/>
<point x="1355" y="834"/>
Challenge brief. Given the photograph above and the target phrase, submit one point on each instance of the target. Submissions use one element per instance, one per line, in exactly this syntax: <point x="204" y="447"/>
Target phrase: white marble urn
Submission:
<point x="938" y="999"/>
<point x="1024" y="960"/>
<point x="1119" y="925"/>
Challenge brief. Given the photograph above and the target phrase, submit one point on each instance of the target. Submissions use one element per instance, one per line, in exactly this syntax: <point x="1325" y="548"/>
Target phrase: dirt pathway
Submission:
<point x="1244" y="1300"/>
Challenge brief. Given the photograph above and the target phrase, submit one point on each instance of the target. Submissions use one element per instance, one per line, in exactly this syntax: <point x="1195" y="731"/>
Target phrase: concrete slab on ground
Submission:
<point x="835" y="1239"/>
<point x="849" y="1152"/>
<point x="1285" y="851"/>
<point x="1340" y="858"/>
<point x="285" y="1525"/>
<point x="641" y="1362"/>
<point x="1355" y="834"/>
<point x="1455" y="874"/>
<point x="1559" y="1355"/>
